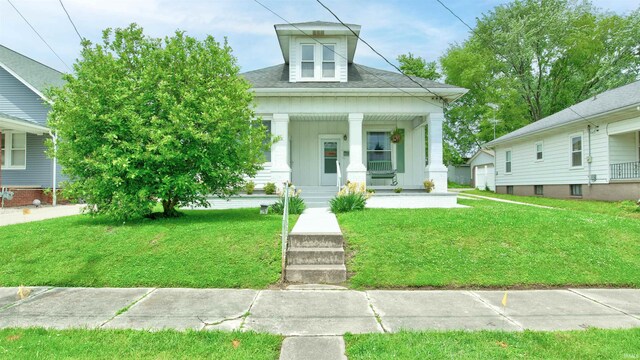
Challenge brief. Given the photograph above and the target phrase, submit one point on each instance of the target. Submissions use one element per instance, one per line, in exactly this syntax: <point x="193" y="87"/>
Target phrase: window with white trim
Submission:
<point x="14" y="150"/>
<point x="538" y="151"/>
<point x="378" y="147"/>
<point x="576" y="151"/>
<point x="307" y="65"/>
<point x="318" y="62"/>
<point x="507" y="163"/>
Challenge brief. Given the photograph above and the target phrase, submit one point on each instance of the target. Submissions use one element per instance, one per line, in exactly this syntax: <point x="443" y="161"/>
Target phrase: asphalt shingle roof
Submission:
<point x="618" y="98"/>
<point x="359" y="76"/>
<point x="36" y="74"/>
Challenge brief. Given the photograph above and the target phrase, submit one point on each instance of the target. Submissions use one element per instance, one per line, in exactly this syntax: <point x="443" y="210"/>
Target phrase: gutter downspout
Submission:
<point x="54" y="195"/>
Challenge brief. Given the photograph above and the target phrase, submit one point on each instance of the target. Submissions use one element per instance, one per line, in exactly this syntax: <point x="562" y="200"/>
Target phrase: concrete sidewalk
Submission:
<point x="10" y="216"/>
<point x="319" y="310"/>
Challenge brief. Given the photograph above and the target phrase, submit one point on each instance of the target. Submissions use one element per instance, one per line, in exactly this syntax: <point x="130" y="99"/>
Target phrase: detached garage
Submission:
<point x="483" y="170"/>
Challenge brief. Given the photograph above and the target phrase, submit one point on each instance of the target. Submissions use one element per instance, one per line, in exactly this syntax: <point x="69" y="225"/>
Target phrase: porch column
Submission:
<point x="280" y="170"/>
<point x="356" y="171"/>
<point x="436" y="170"/>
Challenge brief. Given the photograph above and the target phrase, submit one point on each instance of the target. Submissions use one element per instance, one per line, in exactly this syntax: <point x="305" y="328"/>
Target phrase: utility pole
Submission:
<point x="494" y="107"/>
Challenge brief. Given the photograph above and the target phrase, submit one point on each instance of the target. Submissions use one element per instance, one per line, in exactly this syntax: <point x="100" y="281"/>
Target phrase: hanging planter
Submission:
<point x="396" y="136"/>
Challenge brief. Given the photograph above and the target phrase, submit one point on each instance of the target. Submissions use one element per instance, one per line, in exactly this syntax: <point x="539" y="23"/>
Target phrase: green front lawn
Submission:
<point x="490" y="244"/>
<point x="205" y="248"/>
<point x="130" y="344"/>
<point x="585" y="344"/>
<point x="618" y="208"/>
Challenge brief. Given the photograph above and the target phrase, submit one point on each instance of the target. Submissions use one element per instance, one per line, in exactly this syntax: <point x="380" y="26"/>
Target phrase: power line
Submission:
<point x="379" y="54"/>
<point x="71" y="21"/>
<point x="341" y="56"/>
<point x="40" y="36"/>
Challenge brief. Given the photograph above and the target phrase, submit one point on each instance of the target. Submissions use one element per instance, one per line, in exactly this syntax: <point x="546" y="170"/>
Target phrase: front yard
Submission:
<point x="227" y="249"/>
<point x="583" y="344"/>
<point x="131" y="344"/>
<point x="491" y="244"/>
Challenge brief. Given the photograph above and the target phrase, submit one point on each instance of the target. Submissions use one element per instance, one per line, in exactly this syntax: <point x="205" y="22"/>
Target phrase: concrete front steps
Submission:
<point x="317" y="196"/>
<point x="315" y="252"/>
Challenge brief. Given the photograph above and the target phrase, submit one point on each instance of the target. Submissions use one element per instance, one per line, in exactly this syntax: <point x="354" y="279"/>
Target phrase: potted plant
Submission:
<point x="429" y="185"/>
<point x="396" y="136"/>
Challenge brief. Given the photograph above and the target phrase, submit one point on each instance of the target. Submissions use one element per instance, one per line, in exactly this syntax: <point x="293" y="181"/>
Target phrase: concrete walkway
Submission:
<point x="317" y="220"/>
<point x="9" y="216"/>
<point x="474" y="196"/>
<point x="319" y="310"/>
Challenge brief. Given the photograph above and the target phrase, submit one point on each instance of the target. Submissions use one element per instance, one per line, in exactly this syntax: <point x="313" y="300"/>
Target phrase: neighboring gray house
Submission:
<point x="25" y="169"/>
<point x="460" y="174"/>
<point x="590" y="150"/>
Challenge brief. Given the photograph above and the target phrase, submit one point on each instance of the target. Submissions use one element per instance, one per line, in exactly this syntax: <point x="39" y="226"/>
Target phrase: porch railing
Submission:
<point x="623" y="171"/>
<point x="339" y="173"/>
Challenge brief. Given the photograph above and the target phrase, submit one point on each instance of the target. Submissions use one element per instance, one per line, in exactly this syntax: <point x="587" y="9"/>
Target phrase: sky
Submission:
<point x="393" y="27"/>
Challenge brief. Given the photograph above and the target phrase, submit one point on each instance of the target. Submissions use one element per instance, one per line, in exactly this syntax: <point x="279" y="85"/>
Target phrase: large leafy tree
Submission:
<point x="147" y="120"/>
<point x="533" y="58"/>
<point x="418" y="66"/>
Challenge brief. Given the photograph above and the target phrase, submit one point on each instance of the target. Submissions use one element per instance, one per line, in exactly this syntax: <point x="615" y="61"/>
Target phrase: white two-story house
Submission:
<point x="335" y="119"/>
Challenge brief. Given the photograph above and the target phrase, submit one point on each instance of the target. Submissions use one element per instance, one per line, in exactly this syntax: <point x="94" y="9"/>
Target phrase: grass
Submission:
<point x="205" y="248"/>
<point x="455" y="185"/>
<point x="583" y="344"/>
<point x="490" y="244"/>
<point x="620" y="208"/>
<point x="36" y="343"/>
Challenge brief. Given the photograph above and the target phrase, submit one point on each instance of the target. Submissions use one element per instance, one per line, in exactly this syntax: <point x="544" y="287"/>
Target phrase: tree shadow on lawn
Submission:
<point x="188" y="218"/>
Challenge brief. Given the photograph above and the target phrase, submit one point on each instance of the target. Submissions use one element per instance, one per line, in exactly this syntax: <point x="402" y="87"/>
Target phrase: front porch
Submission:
<point x="327" y="150"/>
<point x="624" y="156"/>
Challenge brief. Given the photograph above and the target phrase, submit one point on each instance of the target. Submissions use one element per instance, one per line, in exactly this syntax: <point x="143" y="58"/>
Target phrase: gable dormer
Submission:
<point x="317" y="51"/>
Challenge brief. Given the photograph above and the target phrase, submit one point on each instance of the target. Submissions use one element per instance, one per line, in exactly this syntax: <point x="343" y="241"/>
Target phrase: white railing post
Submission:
<point x="339" y="173"/>
<point x="285" y="226"/>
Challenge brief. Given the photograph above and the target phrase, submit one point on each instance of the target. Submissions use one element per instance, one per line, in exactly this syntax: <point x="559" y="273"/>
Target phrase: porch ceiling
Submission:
<point x="344" y="117"/>
<point x="9" y="122"/>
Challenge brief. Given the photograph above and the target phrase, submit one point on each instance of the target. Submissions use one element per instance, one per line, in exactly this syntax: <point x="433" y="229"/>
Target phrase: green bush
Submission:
<point x="347" y="202"/>
<point x="270" y="188"/>
<point x="249" y="187"/>
<point x="296" y="203"/>
<point x="397" y="190"/>
<point x="429" y="185"/>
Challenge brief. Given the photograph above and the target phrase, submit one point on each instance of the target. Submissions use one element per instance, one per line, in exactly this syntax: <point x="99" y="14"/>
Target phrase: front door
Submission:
<point x="328" y="161"/>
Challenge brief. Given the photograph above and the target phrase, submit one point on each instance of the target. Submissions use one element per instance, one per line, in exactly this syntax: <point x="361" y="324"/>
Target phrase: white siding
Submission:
<point x="344" y="104"/>
<point x="555" y="168"/>
<point x="340" y="56"/>
<point x="623" y="148"/>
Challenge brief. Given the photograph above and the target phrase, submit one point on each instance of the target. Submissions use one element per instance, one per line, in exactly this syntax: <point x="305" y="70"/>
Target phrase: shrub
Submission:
<point x="249" y="187"/>
<point x="352" y="196"/>
<point x="270" y="188"/>
<point x="429" y="185"/>
<point x="296" y="203"/>
<point x="397" y="190"/>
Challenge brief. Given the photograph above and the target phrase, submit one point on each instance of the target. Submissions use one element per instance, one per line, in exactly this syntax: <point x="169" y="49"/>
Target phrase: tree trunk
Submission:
<point x="169" y="208"/>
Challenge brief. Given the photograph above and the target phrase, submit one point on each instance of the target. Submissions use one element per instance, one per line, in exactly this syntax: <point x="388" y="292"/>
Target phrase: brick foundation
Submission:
<point x="609" y="192"/>
<point x="25" y="196"/>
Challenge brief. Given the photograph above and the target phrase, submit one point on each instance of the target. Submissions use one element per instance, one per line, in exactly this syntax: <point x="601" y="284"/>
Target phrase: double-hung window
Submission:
<point x="328" y="61"/>
<point x="378" y="147"/>
<point x="539" y="151"/>
<point x="14" y="150"/>
<point x="317" y="62"/>
<point x="507" y="168"/>
<point x="307" y="66"/>
<point x="576" y="151"/>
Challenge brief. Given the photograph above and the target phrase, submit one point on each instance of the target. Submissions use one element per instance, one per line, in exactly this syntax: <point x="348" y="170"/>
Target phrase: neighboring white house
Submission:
<point x="590" y="150"/>
<point x="483" y="172"/>
<point x="335" y="117"/>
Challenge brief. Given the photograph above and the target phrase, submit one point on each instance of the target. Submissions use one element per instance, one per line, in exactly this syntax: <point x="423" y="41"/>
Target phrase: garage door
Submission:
<point x="485" y="177"/>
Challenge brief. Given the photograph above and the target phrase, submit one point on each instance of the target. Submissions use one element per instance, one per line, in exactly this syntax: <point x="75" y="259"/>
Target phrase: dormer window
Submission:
<point x="318" y="62"/>
<point x="308" y="61"/>
<point x="328" y="61"/>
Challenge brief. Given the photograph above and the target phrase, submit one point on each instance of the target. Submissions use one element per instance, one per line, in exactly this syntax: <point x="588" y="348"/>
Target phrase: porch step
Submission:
<point x="320" y="240"/>
<point x="318" y="274"/>
<point x="315" y="256"/>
